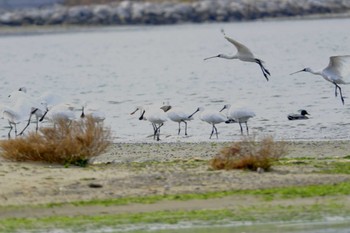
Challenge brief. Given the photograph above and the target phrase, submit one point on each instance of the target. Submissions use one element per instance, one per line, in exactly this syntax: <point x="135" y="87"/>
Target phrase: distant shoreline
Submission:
<point x="173" y="12"/>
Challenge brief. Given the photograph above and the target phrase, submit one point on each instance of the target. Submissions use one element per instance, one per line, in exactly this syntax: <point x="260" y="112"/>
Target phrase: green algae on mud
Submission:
<point x="255" y="214"/>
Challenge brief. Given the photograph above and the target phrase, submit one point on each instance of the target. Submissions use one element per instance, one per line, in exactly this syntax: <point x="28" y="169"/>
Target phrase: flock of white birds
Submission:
<point x="22" y="107"/>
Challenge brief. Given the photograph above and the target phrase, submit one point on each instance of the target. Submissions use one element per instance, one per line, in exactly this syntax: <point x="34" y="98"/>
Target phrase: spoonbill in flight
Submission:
<point x="243" y="54"/>
<point x="337" y="72"/>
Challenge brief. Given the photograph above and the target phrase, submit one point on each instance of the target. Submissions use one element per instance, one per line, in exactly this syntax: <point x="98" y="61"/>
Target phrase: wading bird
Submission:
<point x="298" y="116"/>
<point x="94" y="112"/>
<point x="243" y="54"/>
<point x="212" y="117"/>
<point x="239" y="115"/>
<point x="179" y="116"/>
<point x="157" y="117"/>
<point x="337" y="72"/>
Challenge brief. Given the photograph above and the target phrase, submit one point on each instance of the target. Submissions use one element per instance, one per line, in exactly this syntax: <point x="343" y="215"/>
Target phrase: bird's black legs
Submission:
<point x="185" y="128"/>
<point x="178" y="132"/>
<point x="30" y="117"/>
<point x="156" y="131"/>
<point x="246" y="125"/>
<point x="214" y="129"/>
<point x="263" y="69"/>
<point x="340" y="92"/>
<point x="9" y="133"/>
<point x="240" y="125"/>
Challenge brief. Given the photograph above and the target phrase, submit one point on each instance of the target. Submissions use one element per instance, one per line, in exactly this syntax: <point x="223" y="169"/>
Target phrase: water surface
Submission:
<point x="119" y="68"/>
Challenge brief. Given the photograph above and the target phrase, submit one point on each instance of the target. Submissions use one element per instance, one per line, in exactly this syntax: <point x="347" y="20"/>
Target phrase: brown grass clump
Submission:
<point x="64" y="143"/>
<point x="249" y="154"/>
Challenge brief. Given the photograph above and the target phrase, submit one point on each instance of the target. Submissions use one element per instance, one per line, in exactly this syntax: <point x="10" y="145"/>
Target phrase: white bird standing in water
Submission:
<point x="212" y="117"/>
<point x="157" y="117"/>
<point x="177" y="115"/>
<point x="243" y="54"/>
<point x="337" y="72"/>
<point x="240" y="115"/>
<point x="59" y="112"/>
<point x="38" y="108"/>
<point x="94" y="112"/>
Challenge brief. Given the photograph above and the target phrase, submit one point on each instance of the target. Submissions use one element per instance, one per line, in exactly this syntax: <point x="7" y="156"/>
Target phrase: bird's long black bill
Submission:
<point x="210" y="57"/>
<point x="193" y="113"/>
<point x="296" y="72"/>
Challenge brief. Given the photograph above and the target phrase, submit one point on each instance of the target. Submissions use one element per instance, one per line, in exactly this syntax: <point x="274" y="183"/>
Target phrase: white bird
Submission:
<point x="15" y="113"/>
<point x="337" y="72"/>
<point x="157" y="117"/>
<point x="243" y="54"/>
<point x="59" y="112"/>
<point x="298" y="116"/>
<point x="94" y="112"/>
<point x="46" y="100"/>
<point x="177" y="115"/>
<point x="240" y="115"/>
<point x="212" y="117"/>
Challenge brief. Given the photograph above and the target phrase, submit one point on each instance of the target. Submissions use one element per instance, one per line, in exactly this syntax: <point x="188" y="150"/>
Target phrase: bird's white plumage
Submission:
<point x="338" y="70"/>
<point x="240" y="114"/>
<point x="243" y="51"/>
<point x="60" y="112"/>
<point x="243" y="54"/>
<point x="211" y="117"/>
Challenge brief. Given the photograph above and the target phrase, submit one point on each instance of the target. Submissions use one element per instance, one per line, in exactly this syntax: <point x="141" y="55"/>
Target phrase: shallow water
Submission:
<point x="119" y="68"/>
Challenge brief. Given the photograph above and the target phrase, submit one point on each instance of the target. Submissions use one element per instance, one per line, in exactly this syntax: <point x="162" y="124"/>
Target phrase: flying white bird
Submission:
<point x="240" y="115"/>
<point x="212" y="117"/>
<point x="337" y="72"/>
<point x="298" y="116"/>
<point x="243" y="54"/>
<point x="177" y="115"/>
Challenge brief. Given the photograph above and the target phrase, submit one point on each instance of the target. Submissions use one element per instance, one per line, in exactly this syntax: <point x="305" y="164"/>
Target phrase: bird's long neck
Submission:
<point x="314" y="72"/>
<point x="228" y="56"/>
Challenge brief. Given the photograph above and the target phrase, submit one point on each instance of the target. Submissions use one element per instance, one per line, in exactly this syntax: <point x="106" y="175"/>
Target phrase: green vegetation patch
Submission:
<point x="258" y="213"/>
<point x="266" y="194"/>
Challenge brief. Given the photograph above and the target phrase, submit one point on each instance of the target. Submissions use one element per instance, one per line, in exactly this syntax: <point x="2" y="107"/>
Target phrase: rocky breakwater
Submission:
<point x="130" y="12"/>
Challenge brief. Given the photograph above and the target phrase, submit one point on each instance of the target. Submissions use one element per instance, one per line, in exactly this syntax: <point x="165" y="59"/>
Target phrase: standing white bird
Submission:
<point x="212" y="117"/>
<point x="46" y="100"/>
<point x="243" y="54"/>
<point x="16" y="113"/>
<point x="144" y="117"/>
<point x="22" y="106"/>
<point x="59" y="112"/>
<point x="177" y="115"/>
<point x="96" y="114"/>
<point x="157" y="117"/>
<point x="240" y="115"/>
<point x="337" y="72"/>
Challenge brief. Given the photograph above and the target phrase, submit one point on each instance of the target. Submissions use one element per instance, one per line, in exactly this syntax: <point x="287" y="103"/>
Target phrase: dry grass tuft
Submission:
<point x="249" y="154"/>
<point x="64" y="143"/>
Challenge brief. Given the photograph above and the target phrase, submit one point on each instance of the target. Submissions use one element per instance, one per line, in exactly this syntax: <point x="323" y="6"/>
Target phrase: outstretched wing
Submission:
<point x="339" y="69"/>
<point x="243" y="50"/>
